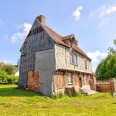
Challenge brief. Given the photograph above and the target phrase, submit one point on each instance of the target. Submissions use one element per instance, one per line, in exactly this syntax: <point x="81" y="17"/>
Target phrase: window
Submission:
<point x="85" y="78"/>
<point x="75" y="59"/>
<point x="71" y="58"/>
<point x="69" y="78"/>
<point x="85" y="64"/>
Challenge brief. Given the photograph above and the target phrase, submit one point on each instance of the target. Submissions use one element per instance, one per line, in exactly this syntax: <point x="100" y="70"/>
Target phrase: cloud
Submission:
<point x="6" y="62"/>
<point x="102" y="14"/>
<point x="77" y="13"/>
<point x="96" y="54"/>
<point x="106" y="10"/>
<point x="21" y="34"/>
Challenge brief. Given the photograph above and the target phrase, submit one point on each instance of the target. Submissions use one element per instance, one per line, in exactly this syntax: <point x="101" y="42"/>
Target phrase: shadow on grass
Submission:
<point x="14" y="91"/>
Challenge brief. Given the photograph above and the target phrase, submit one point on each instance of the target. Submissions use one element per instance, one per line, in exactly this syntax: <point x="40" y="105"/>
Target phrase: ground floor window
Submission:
<point x="69" y="78"/>
<point x="85" y="78"/>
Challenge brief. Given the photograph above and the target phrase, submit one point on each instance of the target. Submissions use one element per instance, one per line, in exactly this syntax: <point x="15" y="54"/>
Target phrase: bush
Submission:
<point x="59" y="95"/>
<point x="78" y="93"/>
<point x="4" y="77"/>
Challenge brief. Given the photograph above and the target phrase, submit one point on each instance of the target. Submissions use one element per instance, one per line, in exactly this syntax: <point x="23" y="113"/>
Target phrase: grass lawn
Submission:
<point x="14" y="102"/>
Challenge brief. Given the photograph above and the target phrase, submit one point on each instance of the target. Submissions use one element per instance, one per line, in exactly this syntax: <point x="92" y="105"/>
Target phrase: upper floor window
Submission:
<point x="85" y="64"/>
<point x="73" y="59"/>
<point x="69" y="78"/>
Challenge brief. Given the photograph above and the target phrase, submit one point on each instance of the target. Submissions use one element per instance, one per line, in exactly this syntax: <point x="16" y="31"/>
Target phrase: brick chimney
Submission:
<point x="42" y="19"/>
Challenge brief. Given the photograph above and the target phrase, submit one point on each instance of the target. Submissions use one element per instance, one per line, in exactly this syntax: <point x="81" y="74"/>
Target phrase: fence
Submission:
<point x="106" y="85"/>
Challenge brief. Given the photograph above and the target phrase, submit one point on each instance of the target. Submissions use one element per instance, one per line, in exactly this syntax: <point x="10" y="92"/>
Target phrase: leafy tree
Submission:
<point x="3" y="76"/>
<point x="9" y="69"/>
<point x="107" y="67"/>
<point x="112" y="51"/>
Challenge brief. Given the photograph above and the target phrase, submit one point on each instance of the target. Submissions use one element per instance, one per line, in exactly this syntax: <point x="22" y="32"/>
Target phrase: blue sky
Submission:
<point x="92" y="22"/>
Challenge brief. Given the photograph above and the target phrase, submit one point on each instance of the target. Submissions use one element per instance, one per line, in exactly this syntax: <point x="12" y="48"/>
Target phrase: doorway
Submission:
<point x="80" y="82"/>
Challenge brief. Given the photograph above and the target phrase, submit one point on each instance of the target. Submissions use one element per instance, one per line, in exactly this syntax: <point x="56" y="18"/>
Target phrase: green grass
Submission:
<point x="14" y="102"/>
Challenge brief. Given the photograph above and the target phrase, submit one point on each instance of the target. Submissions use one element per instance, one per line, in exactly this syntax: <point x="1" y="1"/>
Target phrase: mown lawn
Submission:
<point x="14" y="102"/>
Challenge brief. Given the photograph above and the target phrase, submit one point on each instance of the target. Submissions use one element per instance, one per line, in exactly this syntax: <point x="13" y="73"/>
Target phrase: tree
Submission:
<point x="107" y="67"/>
<point x="9" y="69"/>
<point x="112" y="51"/>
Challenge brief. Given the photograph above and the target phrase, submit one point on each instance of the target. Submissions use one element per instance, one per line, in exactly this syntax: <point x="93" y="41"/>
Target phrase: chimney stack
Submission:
<point x="42" y="19"/>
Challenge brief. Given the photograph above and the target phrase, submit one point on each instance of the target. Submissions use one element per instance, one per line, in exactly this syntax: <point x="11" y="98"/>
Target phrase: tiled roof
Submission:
<point x="59" y="39"/>
<point x="55" y="36"/>
<point x="67" y="37"/>
<point x="76" y="48"/>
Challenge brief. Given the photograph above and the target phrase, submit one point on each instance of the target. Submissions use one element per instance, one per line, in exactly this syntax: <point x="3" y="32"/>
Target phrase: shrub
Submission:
<point x="58" y="95"/>
<point x="78" y="93"/>
<point x="4" y="77"/>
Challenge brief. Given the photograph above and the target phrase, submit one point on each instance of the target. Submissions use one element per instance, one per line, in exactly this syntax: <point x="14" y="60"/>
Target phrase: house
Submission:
<point x="16" y="70"/>
<point x="50" y="62"/>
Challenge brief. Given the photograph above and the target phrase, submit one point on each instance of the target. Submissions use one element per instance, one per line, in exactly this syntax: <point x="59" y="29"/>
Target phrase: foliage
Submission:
<point x="1" y="62"/>
<point x="9" y="69"/>
<point x="59" y="95"/>
<point x="112" y="51"/>
<point x="4" y="77"/>
<point x="78" y="94"/>
<point x="107" y="67"/>
<point x="14" y="102"/>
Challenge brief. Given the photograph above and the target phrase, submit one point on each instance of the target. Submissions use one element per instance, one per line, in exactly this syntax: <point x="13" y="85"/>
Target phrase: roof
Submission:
<point x="67" y="37"/>
<point x="76" y="48"/>
<point x="59" y="39"/>
<point x="55" y="36"/>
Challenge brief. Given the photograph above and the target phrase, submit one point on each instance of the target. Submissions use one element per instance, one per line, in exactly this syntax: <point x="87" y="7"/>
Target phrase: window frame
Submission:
<point x="85" y="64"/>
<point x="69" y="75"/>
<point x="71" y="58"/>
<point x="85" y="78"/>
<point x="75" y="60"/>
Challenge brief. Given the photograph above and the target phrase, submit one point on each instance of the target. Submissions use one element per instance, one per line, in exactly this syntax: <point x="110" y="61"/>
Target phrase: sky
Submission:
<point x="92" y="22"/>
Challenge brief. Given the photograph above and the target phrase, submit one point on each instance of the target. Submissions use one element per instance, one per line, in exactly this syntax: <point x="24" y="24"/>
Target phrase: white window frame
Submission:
<point x="69" y="78"/>
<point x="85" y="78"/>
<point x="71" y="58"/>
<point x="75" y="59"/>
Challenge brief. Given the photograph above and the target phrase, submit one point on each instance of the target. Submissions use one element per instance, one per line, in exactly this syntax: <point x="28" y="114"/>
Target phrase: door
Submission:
<point x="80" y="82"/>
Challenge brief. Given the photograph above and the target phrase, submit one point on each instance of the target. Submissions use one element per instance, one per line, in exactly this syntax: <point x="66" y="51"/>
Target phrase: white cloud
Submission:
<point x="77" y="13"/>
<point x="96" y="54"/>
<point x="21" y="34"/>
<point x="106" y="10"/>
<point x="6" y="61"/>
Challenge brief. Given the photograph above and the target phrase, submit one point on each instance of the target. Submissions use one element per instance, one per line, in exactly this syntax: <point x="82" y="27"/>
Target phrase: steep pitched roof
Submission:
<point x="76" y="48"/>
<point x="59" y="39"/>
<point x="55" y="36"/>
<point x="67" y="37"/>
